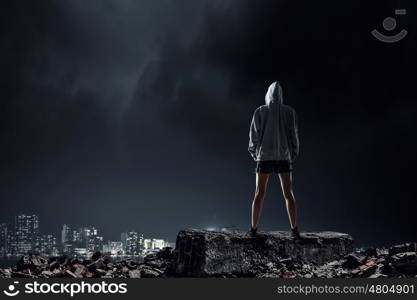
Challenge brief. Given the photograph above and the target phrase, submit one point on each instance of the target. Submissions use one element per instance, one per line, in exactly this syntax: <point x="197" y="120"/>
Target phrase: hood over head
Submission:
<point x="274" y="94"/>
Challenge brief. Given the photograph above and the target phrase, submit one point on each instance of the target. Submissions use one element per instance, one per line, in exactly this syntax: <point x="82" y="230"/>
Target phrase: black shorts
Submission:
<point x="273" y="166"/>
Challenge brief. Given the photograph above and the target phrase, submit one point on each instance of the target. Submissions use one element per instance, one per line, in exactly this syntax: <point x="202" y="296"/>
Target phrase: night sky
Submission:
<point x="131" y="114"/>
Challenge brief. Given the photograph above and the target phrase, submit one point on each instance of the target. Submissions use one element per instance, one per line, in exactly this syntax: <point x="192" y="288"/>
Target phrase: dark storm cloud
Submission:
<point x="76" y="134"/>
<point x="138" y="111"/>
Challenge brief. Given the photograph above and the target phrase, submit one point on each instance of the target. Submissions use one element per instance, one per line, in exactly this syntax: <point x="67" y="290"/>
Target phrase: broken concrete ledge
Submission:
<point x="202" y="253"/>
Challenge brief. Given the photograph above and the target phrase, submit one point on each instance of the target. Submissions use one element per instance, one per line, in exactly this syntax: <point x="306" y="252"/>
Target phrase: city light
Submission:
<point x="24" y="237"/>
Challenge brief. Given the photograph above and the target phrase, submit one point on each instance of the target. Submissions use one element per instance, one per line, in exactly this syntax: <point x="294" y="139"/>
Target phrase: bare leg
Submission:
<point x="258" y="200"/>
<point x="286" y="185"/>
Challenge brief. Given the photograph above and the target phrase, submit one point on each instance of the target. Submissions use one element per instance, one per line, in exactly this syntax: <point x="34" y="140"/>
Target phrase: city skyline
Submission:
<point x="57" y="230"/>
<point x="24" y="236"/>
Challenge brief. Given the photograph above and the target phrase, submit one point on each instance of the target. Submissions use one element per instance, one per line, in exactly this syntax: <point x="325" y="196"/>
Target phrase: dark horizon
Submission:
<point x="124" y="114"/>
<point x="56" y="231"/>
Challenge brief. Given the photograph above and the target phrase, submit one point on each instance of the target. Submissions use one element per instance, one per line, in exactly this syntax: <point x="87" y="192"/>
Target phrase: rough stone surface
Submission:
<point x="201" y="253"/>
<point x="353" y="260"/>
<point x="405" y="262"/>
<point x="406" y="247"/>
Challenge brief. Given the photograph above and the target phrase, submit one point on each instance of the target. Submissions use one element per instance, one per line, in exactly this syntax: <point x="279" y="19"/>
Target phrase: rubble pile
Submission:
<point x="98" y="266"/>
<point x="361" y="263"/>
<point x="231" y="254"/>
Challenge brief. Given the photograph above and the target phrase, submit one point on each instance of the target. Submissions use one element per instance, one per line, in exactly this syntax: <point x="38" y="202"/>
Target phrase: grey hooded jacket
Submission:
<point x="273" y="131"/>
